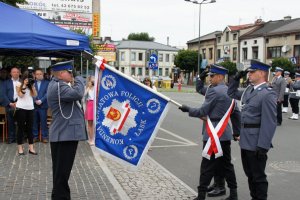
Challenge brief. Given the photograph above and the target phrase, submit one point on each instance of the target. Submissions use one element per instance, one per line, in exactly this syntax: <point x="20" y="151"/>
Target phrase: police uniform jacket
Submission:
<point x="279" y="85"/>
<point x="294" y="86"/>
<point x="288" y="81"/>
<point x="258" y="108"/>
<point x="62" y="129"/>
<point x="215" y="105"/>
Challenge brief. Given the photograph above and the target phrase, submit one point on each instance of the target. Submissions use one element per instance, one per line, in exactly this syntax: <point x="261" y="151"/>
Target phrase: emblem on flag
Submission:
<point x="108" y="82"/>
<point x="119" y="117"/>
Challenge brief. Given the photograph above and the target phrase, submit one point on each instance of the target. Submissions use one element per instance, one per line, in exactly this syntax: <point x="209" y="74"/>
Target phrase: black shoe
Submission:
<point x="217" y="191"/>
<point x="21" y="154"/>
<point x="211" y="188"/>
<point x="33" y="153"/>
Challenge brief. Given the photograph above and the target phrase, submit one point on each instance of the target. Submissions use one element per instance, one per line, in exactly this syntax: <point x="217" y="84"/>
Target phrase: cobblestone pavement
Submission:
<point x="92" y="177"/>
<point x="149" y="181"/>
<point x="30" y="177"/>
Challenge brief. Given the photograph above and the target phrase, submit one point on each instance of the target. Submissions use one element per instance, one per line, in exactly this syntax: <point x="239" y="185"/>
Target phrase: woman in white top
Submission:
<point x="24" y="112"/>
<point x="89" y="112"/>
<point x="147" y="81"/>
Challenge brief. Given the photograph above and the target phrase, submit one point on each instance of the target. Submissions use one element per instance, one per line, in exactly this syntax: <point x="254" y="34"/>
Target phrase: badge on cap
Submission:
<point x="68" y="65"/>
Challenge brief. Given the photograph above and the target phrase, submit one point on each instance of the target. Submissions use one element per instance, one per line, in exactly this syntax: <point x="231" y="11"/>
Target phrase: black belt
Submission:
<point x="214" y="119"/>
<point x="251" y="125"/>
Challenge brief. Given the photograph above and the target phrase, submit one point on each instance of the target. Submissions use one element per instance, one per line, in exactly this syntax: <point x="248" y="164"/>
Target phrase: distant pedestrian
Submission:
<point x="295" y="96"/>
<point x="89" y="111"/>
<point x="279" y="85"/>
<point x="67" y="126"/>
<point x="216" y="110"/>
<point x="258" y="110"/>
<point x="288" y="81"/>
<point x="147" y="81"/>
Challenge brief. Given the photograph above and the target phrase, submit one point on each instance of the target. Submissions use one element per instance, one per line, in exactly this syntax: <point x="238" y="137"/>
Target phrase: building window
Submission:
<point x="133" y="56"/>
<point x="227" y="36"/>
<point x="147" y="72"/>
<point x="254" y="52"/>
<point x="160" y="71"/>
<point x="274" y="52"/>
<point x="218" y="39"/>
<point x="166" y="71"/>
<point x="210" y="53"/>
<point x="122" y="56"/>
<point x="132" y="71"/>
<point x="297" y="37"/>
<point x="234" y="37"/>
<point x="234" y="53"/>
<point x="140" y="56"/>
<point x="203" y="53"/>
<point x="148" y="56"/>
<point x="140" y="71"/>
<point x="160" y="57"/>
<point x="255" y="42"/>
<point x="122" y="69"/>
<point x="267" y="40"/>
<point x="219" y="54"/>
<point x="245" y="42"/>
<point x="245" y="54"/>
<point x="167" y="57"/>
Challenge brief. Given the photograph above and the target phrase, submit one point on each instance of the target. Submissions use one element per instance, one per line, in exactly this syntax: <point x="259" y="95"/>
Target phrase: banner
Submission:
<point x="128" y="115"/>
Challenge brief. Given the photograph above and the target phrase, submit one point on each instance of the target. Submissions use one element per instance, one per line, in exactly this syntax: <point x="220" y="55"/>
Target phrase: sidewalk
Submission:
<point x="92" y="177"/>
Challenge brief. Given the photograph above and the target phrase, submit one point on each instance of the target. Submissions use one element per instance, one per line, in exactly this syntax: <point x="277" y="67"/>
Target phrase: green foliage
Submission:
<point x="231" y="66"/>
<point x="140" y="36"/>
<point x="14" y="2"/>
<point x="284" y="63"/>
<point x="20" y="61"/>
<point x="187" y="60"/>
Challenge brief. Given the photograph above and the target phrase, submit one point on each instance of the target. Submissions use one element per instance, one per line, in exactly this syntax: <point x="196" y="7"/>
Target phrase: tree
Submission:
<point x="187" y="60"/>
<point x="284" y="63"/>
<point x="230" y="66"/>
<point x="140" y="36"/>
<point x="19" y="61"/>
<point x="14" y="2"/>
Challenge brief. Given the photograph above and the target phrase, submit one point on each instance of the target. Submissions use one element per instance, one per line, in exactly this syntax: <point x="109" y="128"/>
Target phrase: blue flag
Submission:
<point x="128" y="115"/>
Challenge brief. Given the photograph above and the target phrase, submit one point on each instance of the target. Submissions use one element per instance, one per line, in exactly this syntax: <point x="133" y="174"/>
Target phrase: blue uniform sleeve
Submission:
<point x="235" y="119"/>
<point x="74" y="93"/>
<point x="268" y="120"/>
<point x="207" y="106"/>
<point x="233" y="91"/>
<point x="200" y="87"/>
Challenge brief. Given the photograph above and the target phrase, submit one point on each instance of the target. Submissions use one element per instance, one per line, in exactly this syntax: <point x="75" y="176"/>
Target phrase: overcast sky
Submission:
<point x="178" y="19"/>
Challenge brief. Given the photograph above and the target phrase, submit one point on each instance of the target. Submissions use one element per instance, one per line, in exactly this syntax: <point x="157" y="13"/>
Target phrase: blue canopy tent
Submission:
<point x="25" y="33"/>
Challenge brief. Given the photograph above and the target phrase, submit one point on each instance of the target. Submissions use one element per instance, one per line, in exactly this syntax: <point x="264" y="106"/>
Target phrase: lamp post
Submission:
<point x="200" y="3"/>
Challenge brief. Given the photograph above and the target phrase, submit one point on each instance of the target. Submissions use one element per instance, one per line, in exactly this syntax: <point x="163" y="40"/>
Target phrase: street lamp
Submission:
<point x="200" y="3"/>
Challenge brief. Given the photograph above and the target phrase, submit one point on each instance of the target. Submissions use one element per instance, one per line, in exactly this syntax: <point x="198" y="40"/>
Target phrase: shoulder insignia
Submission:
<point x="268" y="88"/>
<point x="258" y="89"/>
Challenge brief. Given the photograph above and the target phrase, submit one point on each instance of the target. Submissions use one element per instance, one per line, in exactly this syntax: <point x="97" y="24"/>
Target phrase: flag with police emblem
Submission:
<point x="128" y="115"/>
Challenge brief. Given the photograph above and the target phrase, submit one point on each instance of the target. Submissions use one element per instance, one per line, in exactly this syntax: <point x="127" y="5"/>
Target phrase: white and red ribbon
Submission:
<point x="213" y="143"/>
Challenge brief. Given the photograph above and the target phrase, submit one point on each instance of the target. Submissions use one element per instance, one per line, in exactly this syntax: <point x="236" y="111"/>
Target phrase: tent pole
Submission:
<point x="87" y="68"/>
<point x="81" y="63"/>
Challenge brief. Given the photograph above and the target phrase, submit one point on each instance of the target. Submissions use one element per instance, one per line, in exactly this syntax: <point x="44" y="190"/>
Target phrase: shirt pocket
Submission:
<point x="76" y="126"/>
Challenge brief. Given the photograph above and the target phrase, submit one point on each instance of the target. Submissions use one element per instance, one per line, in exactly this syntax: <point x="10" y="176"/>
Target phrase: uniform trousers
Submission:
<point x="295" y="105"/>
<point x="208" y="167"/>
<point x="279" y="112"/>
<point x="254" y="169"/>
<point x="63" y="155"/>
<point x="285" y="101"/>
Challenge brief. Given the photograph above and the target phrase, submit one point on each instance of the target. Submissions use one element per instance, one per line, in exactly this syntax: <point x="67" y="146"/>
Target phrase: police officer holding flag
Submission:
<point x="68" y="125"/>
<point x="258" y="111"/>
<point x="216" y="110"/>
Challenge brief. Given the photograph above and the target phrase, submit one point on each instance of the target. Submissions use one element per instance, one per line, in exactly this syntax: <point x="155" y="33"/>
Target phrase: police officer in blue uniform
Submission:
<point x="215" y="105"/>
<point x="258" y="110"/>
<point x="68" y="125"/>
<point x="279" y="85"/>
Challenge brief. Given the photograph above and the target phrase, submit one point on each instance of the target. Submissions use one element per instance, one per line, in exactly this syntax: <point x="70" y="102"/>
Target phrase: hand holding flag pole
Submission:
<point x="100" y="63"/>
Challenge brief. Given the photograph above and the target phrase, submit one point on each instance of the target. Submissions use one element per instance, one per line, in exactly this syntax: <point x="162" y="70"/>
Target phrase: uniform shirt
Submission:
<point x="279" y="85"/>
<point x="258" y="108"/>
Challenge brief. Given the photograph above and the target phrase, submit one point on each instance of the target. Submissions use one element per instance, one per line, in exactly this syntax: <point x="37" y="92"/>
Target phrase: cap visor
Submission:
<point x="210" y="73"/>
